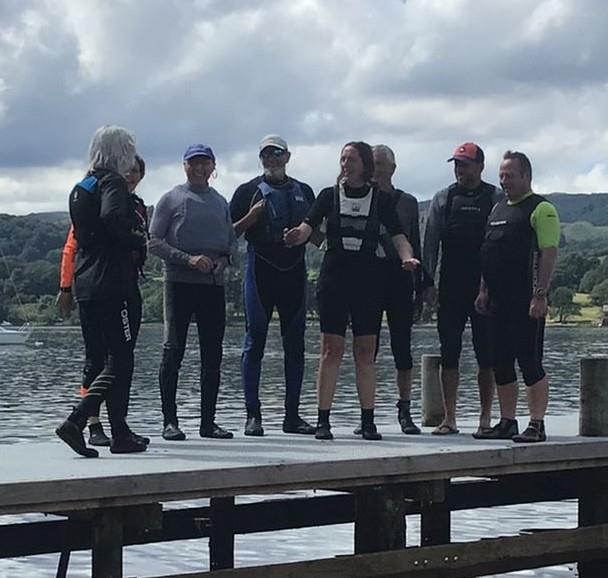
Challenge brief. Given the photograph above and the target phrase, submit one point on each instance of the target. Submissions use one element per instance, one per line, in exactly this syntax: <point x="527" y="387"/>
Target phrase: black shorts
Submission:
<point x="349" y="289"/>
<point x="398" y="302"/>
<point x="455" y="309"/>
<point x="516" y="336"/>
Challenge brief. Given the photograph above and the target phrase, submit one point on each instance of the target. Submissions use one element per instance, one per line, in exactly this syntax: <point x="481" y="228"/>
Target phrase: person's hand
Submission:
<point x="201" y="263"/>
<point x="482" y="303"/>
<point x="256" y="210"/>
<point x="64" y="302"/>
<point x="410" y="264"/>
<point x="538" y="307"/>
<point x="293" y="237"/>
<point x="430" y="295"/>
<point x="220" y="264"/>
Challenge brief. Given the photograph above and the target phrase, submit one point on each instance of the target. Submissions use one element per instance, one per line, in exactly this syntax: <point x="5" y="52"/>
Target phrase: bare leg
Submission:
<point x="449" y="388"/>
<point x="507" y="399"/>
<point x="332" y="350"/>
<point x="538" y="398"/>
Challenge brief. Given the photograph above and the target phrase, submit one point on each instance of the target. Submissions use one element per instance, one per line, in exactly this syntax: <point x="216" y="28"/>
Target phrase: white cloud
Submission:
<point x="421" y="76"/>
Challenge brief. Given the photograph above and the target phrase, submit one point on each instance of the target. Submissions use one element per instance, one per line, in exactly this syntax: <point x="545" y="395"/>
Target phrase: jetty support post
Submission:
<point x="593" y="421"/>
<point x="432" y="396"/>
<point x="379" y="519"/>
<point x="435" y="517"/>
<point x="107" y="540"/>
<point x="108" y="530"/>
<point x="221" y="539"/>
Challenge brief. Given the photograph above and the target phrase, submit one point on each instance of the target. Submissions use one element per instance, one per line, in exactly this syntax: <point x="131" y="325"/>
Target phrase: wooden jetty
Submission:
<point x="115" y="501"/>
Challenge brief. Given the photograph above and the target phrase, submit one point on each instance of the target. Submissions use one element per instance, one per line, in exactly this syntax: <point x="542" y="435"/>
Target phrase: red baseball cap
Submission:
<point x="468" y="152"/>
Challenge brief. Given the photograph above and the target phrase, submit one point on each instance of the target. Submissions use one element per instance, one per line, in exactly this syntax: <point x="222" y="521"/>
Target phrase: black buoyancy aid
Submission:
<point x="85" y="205"/>
<point x="510" y="245"/>
<point x="466" y="215"/>
<point x="286" y="207"/>
<point x="354" y="223"/>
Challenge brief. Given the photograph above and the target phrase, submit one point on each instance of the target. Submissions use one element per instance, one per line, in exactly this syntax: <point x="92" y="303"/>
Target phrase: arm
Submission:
<point x="159" y="229"/>
<point x="545" y="222"/>
<point x="405" y="251"/>
<point x="64" y="300"/>
<point x="430" y="248"/>
<point x="225" y="260"/>
<point x="250" y="219"/>
<point x="482" y="301"/>
<point x="319" y="210"/>
<point x="115" y="213"/>
<point x="546" y="266"/>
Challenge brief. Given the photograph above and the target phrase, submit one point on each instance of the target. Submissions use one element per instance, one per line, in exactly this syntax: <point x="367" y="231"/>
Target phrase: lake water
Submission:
<point x="40" y="383"/>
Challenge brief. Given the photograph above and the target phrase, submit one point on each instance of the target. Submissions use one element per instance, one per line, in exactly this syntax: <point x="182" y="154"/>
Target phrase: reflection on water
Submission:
<point x="40" y="384"/>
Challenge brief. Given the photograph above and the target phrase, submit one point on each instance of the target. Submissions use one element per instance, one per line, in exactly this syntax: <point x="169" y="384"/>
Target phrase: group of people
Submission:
<point x="497" y="251"/>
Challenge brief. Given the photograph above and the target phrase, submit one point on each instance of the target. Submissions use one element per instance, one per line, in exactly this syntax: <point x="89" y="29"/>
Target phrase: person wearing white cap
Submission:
<point x="275" y="277"/>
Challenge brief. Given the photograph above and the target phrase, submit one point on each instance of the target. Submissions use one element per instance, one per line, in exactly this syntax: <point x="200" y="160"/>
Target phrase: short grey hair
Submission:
<point x="386" y="151"/>
<point x="112" y="148"/>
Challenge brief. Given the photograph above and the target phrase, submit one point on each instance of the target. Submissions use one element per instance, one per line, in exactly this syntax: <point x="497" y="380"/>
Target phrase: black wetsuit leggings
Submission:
<point x="111" y="329"/>
<point x="94" y="347"/>
<point x="206" y="304"/>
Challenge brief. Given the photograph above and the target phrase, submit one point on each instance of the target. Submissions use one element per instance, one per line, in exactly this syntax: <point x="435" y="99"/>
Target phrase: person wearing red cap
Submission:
<point x="456" y="225"/>
<point x="517" y="261"/>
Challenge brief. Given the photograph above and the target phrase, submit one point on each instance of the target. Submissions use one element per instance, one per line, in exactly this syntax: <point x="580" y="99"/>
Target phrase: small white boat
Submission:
<point x="11" y="335"/>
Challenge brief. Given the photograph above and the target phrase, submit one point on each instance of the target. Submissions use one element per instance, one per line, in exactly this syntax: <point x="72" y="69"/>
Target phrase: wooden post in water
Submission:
<point x="593" y="421"/>
<point x="593" y="413"/>
<point x="221" y="540"/>
<point x="379" y="519"/>
<point x="107" y="540"/>
<point x="432" y="397"/>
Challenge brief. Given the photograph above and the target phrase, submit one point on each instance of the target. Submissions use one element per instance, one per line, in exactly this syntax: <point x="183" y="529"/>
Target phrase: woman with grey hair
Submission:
<point x="109" y="235"/>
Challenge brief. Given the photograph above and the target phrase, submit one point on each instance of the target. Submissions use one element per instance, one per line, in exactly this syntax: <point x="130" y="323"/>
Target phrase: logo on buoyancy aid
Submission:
<point x="285" y="207"/>
<point x="84" y="210"/>
<point x="124" y="319"/>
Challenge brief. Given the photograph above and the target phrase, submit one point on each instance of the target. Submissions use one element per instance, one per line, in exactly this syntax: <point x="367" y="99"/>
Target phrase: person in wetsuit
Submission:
<point x="402" y="289"/>
<point x="275" y="276"/>
<point x="456" y="225"/>
<point x="517" y="261"/>
<point x="348" y="287"/>
<point x="94" y="352"/>
<point x="105" y="284"/>
<point x="191" y="231"/>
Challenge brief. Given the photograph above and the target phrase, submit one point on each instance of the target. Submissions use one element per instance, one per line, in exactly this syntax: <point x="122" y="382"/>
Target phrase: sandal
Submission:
<point x="445" y="430"/>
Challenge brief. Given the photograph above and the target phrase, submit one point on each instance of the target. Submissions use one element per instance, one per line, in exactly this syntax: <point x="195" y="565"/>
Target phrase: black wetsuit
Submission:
<point x="105" y="285"/>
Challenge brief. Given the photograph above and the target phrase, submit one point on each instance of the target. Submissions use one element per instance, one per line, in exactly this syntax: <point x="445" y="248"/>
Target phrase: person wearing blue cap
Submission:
<point x="191" y="231"/>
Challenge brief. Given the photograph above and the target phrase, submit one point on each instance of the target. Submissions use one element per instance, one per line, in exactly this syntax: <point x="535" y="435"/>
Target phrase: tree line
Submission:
<point x="31" y="248"/>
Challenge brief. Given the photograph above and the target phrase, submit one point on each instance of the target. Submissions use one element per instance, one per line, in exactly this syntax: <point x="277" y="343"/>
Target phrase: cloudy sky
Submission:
<point x="419" y="75"/>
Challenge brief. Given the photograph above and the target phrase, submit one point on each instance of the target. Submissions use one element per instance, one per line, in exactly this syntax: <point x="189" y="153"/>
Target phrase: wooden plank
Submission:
<point x="75" y="484"/>
<point x="457" y="560"/>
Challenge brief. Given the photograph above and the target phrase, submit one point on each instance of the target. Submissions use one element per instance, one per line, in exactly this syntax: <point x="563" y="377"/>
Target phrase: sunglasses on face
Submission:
<point x="271" y="152"/>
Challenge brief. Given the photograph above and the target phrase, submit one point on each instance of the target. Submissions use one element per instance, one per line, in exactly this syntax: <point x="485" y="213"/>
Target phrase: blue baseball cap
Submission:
<point x="198" y="150"/>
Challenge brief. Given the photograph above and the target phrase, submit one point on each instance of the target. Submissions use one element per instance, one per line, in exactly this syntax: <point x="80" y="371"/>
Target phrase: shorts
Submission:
<point x="455" y="309"/>
<point x="349" y="289"/>
<point x="516" y="336"/>
<point x="398" y="302"/>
